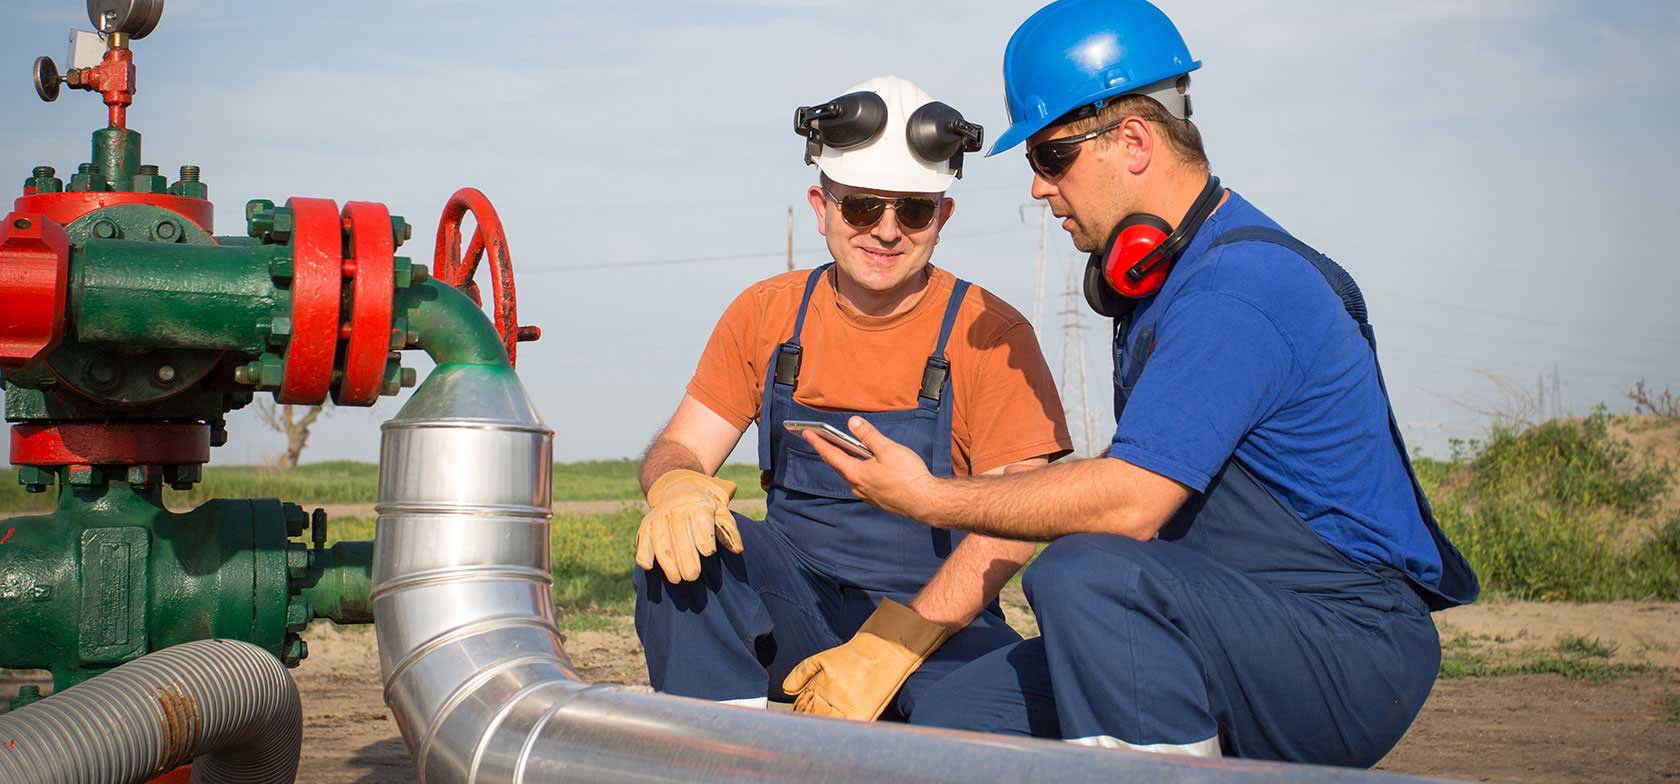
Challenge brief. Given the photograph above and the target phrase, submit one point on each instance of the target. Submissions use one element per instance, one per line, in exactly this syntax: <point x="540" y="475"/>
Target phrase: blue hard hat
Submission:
<point x="1074" y="53"/>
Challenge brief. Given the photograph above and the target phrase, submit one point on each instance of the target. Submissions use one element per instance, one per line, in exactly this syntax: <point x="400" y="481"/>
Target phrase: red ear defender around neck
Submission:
<point x="1141" y="252"/>
<point x="1135" y="265"/>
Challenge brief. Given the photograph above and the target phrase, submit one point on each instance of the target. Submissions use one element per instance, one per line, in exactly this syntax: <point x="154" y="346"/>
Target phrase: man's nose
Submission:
<point x="1042" y="188"/>
<point x="888" y="230"/>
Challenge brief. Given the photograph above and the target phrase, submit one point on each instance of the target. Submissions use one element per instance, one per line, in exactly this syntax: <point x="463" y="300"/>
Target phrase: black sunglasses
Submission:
<point x="863" y="210"/>
<point x="1052" y="158"/>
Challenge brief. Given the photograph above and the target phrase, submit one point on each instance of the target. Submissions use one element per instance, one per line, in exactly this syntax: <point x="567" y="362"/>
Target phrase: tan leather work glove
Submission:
<point x="857" y="680"/>
<point x="689" y="516"/>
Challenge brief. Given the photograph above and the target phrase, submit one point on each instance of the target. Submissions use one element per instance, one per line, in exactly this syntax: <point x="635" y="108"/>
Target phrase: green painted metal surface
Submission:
<point x="116" y="157"/>
<point x="112" y="575"/>
<point x="174" y="295"/>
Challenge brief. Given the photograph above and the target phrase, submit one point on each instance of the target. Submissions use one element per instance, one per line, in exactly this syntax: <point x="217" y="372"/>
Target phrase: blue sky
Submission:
<point x="1496" y="174"/>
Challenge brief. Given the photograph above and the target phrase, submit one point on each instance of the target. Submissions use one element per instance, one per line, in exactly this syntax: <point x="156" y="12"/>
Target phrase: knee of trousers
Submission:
<point x="1077" y="566"/>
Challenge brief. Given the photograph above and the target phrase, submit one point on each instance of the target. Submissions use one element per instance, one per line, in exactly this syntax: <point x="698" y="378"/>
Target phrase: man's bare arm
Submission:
<point x="1100" y="495"/>
<point x="974" y="574"/>
<point x="696" y="438"/>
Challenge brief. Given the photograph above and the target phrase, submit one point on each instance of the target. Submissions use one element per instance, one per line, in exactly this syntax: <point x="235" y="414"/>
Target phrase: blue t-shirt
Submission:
<point x="1246" y="352"/>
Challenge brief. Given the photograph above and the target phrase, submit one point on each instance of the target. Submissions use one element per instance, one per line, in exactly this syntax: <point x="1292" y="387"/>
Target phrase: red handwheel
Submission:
<point x="450" y="266"/>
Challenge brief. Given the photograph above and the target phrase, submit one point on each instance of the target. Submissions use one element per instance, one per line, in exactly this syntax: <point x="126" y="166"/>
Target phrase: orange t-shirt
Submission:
<point x="1006" y="408"/>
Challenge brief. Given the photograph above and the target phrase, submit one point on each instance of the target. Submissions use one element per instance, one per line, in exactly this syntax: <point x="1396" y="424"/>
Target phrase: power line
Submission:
<point x="715" y="259"/>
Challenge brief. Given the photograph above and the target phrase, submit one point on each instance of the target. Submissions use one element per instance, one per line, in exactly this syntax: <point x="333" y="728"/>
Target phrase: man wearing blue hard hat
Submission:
<point x="1250" y="570"/>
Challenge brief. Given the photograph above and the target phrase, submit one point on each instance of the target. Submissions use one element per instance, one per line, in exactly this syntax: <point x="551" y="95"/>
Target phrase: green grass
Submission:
<point x="1545" y="514"/>
<point x="1671" y="708"/>
<point x="1575" y="658"/>
<point x="349" y="482"/>
<point x="1581" y="647"/>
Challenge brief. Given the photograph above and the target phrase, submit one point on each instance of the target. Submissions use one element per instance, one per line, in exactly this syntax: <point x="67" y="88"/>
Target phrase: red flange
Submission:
<point x="65" y="208"/>
<point x="449" y="266"/>
<point x="84" y="443"/>
<point x="371" y="269"/>
<point x="34" y="285"/>
<point x="317" y="280"/>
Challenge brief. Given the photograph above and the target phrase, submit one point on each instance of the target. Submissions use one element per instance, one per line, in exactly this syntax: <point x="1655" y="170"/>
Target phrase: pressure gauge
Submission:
<point x="134" y="18"/>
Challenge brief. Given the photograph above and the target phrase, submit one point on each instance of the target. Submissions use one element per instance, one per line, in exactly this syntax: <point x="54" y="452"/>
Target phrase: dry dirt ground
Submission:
<point x="1540" y="728"/>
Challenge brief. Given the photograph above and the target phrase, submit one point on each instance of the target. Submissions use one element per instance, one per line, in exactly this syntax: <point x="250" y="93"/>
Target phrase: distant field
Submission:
<point x="1581" y="509"/>
<point x="347" y="482"/>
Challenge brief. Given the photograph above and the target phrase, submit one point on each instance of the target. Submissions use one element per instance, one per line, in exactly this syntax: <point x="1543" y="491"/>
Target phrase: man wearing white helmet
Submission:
<point x="849" y="610"/>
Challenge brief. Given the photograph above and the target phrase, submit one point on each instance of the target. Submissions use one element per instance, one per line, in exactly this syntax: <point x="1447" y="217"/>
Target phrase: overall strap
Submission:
<point x="788" y="354"/>
<point x="938" y="369"/>
<point x="1458" y="585"/>
<point x="1340" y="281"/>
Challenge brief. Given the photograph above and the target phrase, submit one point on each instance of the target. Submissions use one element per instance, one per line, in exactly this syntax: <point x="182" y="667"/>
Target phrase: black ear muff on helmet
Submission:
<point x="937" y="132"/>
<point x="1140" y="253"/>
<point x="852" y="120"/>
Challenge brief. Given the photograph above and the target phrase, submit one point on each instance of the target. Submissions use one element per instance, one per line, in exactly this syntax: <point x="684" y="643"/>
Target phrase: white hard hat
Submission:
<point x="887" y="134"/>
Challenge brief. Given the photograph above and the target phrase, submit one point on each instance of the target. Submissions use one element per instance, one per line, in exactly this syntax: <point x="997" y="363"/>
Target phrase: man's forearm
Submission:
<point x="664" y="456"/>
<point x="970" y="579"/>
<point x="1097" y="495"/>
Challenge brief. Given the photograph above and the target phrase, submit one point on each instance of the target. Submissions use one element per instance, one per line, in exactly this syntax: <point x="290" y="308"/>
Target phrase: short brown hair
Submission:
<point x="1181" y="135"/>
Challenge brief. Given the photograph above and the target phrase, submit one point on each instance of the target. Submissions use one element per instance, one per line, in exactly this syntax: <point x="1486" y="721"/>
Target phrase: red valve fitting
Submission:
<point x="112" y="78"/>
<point x="34" y="284"/>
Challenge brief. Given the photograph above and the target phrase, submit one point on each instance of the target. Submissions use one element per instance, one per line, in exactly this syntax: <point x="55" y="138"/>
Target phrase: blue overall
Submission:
<point x="814" y="570"/>
<point x="1238" y="630"/>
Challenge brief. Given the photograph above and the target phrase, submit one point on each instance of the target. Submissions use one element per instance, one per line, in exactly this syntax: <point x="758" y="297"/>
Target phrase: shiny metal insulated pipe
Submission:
<point x="481" y="688"/>
<point x="227" y="706"/>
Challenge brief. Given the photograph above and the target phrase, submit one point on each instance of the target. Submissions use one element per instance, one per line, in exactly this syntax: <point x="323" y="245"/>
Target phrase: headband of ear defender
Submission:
<point x="1140" y="254"/>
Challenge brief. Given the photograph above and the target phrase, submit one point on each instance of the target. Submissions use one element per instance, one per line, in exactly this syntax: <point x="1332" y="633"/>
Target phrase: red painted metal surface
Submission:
<point x="180" y="775"/>
<point x="112" y="78"/>
<point x="64" y="208"/>
<point x="371" y="269"/>
<point x="92" y="443"/>
<point x="34" y="283"/>
<point x="451" y="267"/>
<point x="317" y="282"/>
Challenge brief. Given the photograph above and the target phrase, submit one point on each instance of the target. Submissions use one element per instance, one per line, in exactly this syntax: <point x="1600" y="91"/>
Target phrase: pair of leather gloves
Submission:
<point x="690" y="516"/>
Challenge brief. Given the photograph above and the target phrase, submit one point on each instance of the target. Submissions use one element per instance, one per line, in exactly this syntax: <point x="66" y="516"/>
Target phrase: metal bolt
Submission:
<point x="318" y="527"/>
<point x="86" y="168"/>
<point x="189" y="173"/>
<point x="139" y="476"/>
<point x="82" y="475"/>
<point x="410" y="377"/>
<point x="106" y="229"/>
<point x="421" y="273"/>
<point x="166" y="373"/>
<point x="297" y="614"/>
<point x="280" y="267"/>
<point x="295" y="518"/>
<point x="42" y="172"/>
<point x="297" y="561"/>
<point x="34" y="488"/>
<point x="166" y="230"/>
<point x="29" y="692"/>
<point x="148" y="170"/>
<point x="103" y="372"/>
<point x="294" y="650"/>
<point x="21" y="223"/>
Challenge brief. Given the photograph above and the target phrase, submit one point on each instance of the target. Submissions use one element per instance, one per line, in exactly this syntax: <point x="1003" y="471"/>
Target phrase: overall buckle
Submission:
<point x="788" y="356"/>
<point x="933" y="378"/>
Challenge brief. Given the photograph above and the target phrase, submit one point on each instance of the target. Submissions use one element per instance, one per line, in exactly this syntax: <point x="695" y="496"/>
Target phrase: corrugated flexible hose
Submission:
<point x="229" y="704"/>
